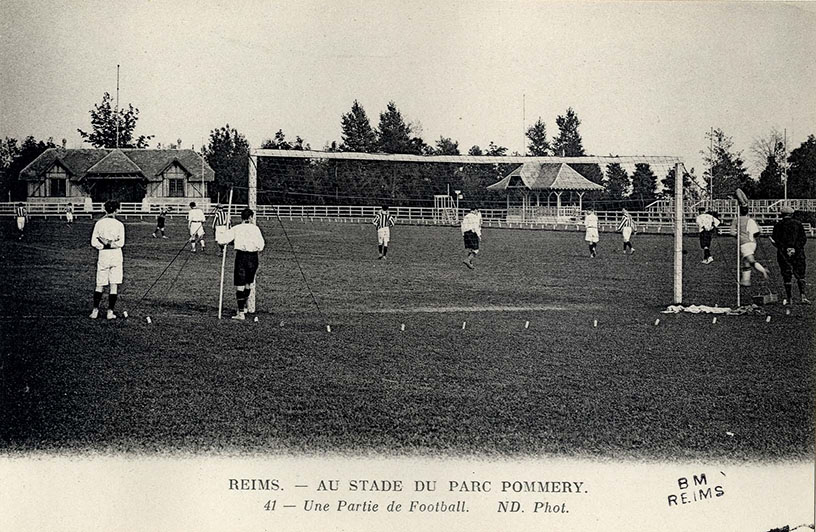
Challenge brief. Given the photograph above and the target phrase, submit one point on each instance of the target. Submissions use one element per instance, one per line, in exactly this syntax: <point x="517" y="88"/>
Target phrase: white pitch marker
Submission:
<point x="787" y="312"/>
<point x="595" y="323"/>
<point x="714" y="320"/>
<point x="256" y="319"/>
<point x="464" y="324"/>
<point x="148" y="320"/>
<point x="657" y="321"/>
<point x="526" y="324"/>
<point x="768" y="319"/>
<point x="328" y="328"/>
<point x="402" y="326"/>
<point x="125" y="314"/>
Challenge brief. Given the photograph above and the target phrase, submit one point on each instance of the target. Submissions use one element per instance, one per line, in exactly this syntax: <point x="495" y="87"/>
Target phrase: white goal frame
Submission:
<point x="676" y="162"/>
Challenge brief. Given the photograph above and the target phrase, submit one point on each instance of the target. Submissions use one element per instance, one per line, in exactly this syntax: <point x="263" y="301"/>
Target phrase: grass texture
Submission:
<point x="686" y="388"/>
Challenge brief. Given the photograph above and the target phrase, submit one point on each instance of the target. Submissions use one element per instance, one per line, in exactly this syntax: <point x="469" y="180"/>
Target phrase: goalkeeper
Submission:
<point x="789" y="238"/>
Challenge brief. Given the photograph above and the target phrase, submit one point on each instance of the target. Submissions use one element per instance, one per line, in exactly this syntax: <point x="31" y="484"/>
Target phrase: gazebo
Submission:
<point x="552" y="178"/>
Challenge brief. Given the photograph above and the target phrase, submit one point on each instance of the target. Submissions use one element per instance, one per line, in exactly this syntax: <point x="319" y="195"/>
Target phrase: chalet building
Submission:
<point x="128" y="175"/>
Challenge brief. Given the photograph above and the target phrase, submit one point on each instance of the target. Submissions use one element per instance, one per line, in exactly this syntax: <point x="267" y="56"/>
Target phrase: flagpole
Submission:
<point x="202" y="172"/>
<point x="117" y="106"/>
<point x="224" y="259"/>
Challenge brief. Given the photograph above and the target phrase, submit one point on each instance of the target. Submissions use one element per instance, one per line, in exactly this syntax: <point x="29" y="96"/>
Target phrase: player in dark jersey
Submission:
<point x="789" y="238"/>
<point x="160" y="222"/>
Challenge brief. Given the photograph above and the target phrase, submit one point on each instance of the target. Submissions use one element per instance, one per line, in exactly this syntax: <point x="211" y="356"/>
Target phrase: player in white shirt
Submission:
<point x="591" y="235"/>
<point x="69" y="215"/>
<point x="248" y="242"/>
<point x="195" y="221"/>
<point x="748" y="229"/>
<point x="109" y="238"/>
<point x="707" y="224"/>
<point x="472" y="234"/>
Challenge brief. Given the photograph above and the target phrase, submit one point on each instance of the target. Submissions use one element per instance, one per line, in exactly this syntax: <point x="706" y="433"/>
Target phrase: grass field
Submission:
<point x="742" y="388"/>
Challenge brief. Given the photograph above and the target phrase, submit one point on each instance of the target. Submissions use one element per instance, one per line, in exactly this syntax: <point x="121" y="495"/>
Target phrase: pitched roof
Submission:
<point x="545" y="176"/>
<point x="154" y="162"/>
<point x="115" y="165"/>
<point x="118" y="164"/>
<point x="76" y="162"/>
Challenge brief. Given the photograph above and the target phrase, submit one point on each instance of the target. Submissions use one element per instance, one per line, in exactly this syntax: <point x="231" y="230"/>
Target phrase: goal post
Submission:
<point x="296" y="166"/>
<point x="679" y="223"/>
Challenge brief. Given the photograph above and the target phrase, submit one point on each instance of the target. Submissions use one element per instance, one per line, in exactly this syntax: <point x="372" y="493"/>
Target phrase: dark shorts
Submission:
<point x="471" y="240"/>
<point x="246" y="266"/>
<point x="160" y="223"/>
<point x="705" y="239"/>
<point x="789" y="266"/>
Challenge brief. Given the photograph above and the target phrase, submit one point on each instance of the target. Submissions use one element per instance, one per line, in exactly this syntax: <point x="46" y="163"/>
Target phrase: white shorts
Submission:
<point x="747" y="249"/>
<point x="383" y="236"/>
<point x="109" y="269"/>
<point x="20" y="222"/>
<point x="591" y="234"/>
<point x="627" y="233"/>
<point x="221" y="234"/>
<point x="69" y="217"/>
<point x="197" y="229"/>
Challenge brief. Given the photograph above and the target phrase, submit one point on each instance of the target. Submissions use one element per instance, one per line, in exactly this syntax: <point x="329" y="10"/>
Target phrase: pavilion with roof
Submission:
<point x="127" y="174"/>
<point x="551" y="178"/>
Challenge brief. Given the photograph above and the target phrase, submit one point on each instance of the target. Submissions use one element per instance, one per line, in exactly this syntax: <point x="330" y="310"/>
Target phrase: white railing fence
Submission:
<point x="766" y="213"/>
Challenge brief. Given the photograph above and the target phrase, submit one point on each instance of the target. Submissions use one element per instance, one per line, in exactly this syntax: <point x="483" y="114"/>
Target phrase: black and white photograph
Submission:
<point x="437" y="265"/>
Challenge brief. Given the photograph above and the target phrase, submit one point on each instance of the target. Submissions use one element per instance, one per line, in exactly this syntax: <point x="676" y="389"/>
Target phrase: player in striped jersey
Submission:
<point x="221" y="224"/>
<point x="383" y="221"/>
<point x="22" y="217"/>
<point x="627" y="227"/>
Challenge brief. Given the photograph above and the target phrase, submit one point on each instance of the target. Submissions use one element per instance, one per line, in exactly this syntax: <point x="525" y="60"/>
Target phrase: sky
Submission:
<point x="645" y="78"/>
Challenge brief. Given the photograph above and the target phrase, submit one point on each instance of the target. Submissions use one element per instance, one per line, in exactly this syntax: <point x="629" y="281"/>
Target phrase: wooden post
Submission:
<point x="223" y="261"/>
<point x="253" y="204"/>
<point x="678" y="233"/>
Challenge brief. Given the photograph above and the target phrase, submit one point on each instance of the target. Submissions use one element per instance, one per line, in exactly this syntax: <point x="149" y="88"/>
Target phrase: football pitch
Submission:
<point x="538" y="351"/>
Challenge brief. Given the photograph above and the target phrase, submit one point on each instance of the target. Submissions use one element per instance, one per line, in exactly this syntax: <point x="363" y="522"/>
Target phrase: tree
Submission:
<point x="446" y="146"/>
<point x="393" y="134"/>
<point x="568" y="142"/>
<point x="770" y="183"/>
<point x="772" y="145"/>
<point x="644" y="184"/>
<point x="357" y="135"/>
<point x="280" y="143"/>
<point x="494" y="150"/>
<point x="617" y="182"/>
<point x="691" y="189"/>
<point x="228" y="156"/>
<point x="13" y="159"/>
<point x="104" y="120"/>
<point x="9" y="151"/>
<point x="725" y="167"/>
<point x="802" y="172"/>
<point x="539" y="146"/>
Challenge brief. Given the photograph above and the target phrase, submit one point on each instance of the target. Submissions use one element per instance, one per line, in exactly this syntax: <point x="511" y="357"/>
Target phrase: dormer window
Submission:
<point x="176" y="180"/>
<point x="57" y="179"/>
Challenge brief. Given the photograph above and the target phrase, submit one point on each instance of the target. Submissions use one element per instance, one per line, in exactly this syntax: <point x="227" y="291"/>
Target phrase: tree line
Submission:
<point x="329" y="181"/>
